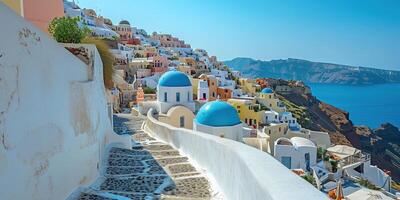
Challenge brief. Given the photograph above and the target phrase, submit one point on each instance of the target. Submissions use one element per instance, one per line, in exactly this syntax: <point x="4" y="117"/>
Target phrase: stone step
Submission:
<point x="84" y="193"/>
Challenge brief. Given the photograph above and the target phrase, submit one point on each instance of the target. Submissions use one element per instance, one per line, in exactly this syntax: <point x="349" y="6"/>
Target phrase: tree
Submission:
<point x="66" y="30"/>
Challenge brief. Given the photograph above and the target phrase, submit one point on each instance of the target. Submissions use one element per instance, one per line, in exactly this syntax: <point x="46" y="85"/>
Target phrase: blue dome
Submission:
<point x="174" y="79"/>
<point x="267" y="91"/>
<point x="217" y="113"/>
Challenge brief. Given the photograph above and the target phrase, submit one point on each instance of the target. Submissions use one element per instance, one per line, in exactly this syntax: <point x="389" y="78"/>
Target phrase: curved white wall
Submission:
<point x="231" y="132"/>
<point x="54" y="122"/>
<point x="241" y="172"/>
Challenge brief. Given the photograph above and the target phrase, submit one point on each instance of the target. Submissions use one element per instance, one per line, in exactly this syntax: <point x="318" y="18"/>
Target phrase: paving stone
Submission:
<point x="193" y="187"/>
<point x="181" y="168"/>
<point x="174" y="160"/>
<point x="158" y="147"/>
<point x="162" y="154"/>
<point x="88" y="196"/>
<point x="137" y="184"/>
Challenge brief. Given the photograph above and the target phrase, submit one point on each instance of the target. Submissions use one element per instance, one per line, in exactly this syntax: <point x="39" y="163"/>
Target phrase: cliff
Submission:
<point x="313" y="72"/>
<point x="382" y="143"/>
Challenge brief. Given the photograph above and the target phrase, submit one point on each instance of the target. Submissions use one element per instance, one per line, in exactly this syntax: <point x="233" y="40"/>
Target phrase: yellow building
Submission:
<point x="185" y="69"/>
<point x="249" y="112"/>
<point x="195" y="84"/>
<point x="268" y="98"/>
<point x="178" y="116"/>
<point x="16" y="5"/>
<point x="249" y="86"/>
<point x="188" y="61"/>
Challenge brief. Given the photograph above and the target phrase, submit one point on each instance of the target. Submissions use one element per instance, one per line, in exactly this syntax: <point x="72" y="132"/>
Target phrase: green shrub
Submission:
<point x="334" y="165"/>
<point x="106" y="57"/>
<point x="367" y="184"/>
<point x="66" y="30"/>
<point x="310" y="179"/>
<point x="148" y="90"/>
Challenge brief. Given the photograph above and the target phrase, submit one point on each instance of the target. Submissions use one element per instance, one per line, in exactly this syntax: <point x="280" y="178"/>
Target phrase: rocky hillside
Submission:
<point x="315" y="114"/>
<point x="312" y="72"/>
<point x="382" y="143"/>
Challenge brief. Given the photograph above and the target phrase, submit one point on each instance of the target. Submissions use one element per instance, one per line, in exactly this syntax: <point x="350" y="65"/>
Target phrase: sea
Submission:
<point x="369" y="105"/>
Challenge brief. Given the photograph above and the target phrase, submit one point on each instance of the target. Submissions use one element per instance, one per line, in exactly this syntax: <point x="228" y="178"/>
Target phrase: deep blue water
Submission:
<point x="369" y="105"/>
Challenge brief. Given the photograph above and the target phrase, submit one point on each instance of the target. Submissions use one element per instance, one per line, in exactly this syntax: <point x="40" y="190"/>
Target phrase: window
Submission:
<point x="269" y="132"/>
<point x="307" y="159"/>
<point x="178" y="97"/>
<point x="165" y="97"/>
<point x="182" y="121"/>
<point x="245" y="120"/>
<point x="287" y="161"/>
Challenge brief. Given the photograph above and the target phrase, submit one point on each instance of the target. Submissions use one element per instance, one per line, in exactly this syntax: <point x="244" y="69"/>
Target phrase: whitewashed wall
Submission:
<point x="241" y="171"/>
<point x="231" y="132"/>
<point x="54" y="123"/>
<point x="186" y="97"/>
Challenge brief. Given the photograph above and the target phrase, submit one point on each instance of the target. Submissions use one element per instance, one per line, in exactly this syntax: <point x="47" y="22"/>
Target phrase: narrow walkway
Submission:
<point x="150" y="170"/>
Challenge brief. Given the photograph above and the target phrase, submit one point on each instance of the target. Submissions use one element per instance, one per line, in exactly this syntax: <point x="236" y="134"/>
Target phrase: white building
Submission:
<point x="219" y="118"/>
<point x="174" y="88"/>
<point x="296" y="153"/>
<point x="203" y="90"/>
<point x="271" y="116"/>
<point x="219" y="73"/>
<point x="287" y="117"/>
<point x="358" y="164"/>
<point x="236" y="74"/>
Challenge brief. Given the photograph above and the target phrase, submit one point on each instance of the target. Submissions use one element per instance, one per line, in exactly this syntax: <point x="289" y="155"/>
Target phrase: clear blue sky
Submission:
<point x="354" y="32"/>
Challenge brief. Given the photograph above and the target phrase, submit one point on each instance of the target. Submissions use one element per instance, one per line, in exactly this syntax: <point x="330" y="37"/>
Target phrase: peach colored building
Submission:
<point x="124" y="30"/>
<point x="160" y="64"/>
<point x="139" y="95"/>
<point x="39" y="12"/>
<point x="212" y="85"/>
<point x="166" y="40"/>
<point x="224" y="93"/>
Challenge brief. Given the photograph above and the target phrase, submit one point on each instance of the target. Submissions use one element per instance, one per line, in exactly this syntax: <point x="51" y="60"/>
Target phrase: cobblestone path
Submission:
<point x="150" y="170"/>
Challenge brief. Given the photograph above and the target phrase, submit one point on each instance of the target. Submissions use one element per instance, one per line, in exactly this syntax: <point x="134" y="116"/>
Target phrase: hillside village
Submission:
<point x="161" y="84"/>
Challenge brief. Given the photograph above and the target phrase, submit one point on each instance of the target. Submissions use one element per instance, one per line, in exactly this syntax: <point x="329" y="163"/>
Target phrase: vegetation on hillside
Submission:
<point x="67" y="30"/>
<point x="299" y="112"/>
<point x="106" y="57"/>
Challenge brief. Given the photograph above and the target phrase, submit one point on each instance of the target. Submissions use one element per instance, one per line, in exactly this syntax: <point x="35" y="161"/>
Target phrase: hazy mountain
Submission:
<point x="312" y="72"/>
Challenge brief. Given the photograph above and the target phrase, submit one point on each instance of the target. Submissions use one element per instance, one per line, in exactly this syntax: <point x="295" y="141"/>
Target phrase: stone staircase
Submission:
<point x="150" y="170"/>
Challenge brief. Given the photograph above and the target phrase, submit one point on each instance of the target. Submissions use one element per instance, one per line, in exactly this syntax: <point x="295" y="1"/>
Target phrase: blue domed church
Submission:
<point x="219" y="118"/>
<point x="174" y="89"/>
